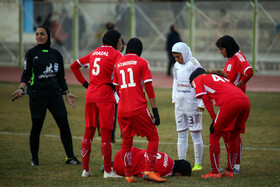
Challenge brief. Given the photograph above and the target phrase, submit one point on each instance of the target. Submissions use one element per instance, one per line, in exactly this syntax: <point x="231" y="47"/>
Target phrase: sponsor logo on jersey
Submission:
<point x="84" y="152"/>
<point x="229" y="67"/>
<point x="165" y="160"/>
<point x="240" y="57"/>
<point x="183" y="88"/>
<point x="24" y="64"/>
<point x="183" y="85"/>
<point x="56" y="67"/>
<point x="48" y="72"/>
<point x="128" y="159"/>
<point x="102" y="53"/>
<point x="194" y="61"/>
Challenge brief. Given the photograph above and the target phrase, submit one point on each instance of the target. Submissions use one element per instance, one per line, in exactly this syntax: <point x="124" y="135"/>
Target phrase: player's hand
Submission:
<point x="212" y="127"/>
<point x="85" y="85"/>
<point x="200" y="109"/>
<point x="70" y="99"/>
<point x="112" y="86"/>
<point x="156" y="116"/>
<point x="17" y="94"/>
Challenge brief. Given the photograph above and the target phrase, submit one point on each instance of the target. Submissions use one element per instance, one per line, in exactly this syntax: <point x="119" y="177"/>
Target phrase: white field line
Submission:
<point x="138" y="141"/>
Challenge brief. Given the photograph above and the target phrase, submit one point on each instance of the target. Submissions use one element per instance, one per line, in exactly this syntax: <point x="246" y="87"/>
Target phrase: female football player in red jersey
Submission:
<point x="100" y="100"/>
<point x="132" y="77"/>
<point x="213" y="87"/>
<point x="238" y="71"/>
<point x="165" y="166"/>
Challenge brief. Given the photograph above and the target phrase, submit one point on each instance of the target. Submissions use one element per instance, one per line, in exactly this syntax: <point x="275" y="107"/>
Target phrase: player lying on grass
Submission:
<point x="165" y="166"/>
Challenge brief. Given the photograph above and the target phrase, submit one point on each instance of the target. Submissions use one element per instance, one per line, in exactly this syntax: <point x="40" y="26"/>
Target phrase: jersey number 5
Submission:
<point x="131" y="79"/>
<point x="96" y="67"/>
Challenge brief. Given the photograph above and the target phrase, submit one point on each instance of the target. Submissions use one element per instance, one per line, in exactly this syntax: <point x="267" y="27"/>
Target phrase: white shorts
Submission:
<point x="191" y="122"/>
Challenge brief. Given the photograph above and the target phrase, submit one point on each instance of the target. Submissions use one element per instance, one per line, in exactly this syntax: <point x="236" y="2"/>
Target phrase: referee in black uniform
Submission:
<point x="44" y="73"/>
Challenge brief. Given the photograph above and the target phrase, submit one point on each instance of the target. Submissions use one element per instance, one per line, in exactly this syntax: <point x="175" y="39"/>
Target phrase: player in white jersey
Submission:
<point x="188" y="109"/>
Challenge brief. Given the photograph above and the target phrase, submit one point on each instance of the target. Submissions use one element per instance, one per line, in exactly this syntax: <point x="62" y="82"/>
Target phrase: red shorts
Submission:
<point x="233" y="114"/>
<point x="105" y="112"/>
<point x="141" y="124"/>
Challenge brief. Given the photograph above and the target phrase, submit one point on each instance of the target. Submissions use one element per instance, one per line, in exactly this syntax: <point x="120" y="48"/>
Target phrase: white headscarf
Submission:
<point x="184" y="49"/>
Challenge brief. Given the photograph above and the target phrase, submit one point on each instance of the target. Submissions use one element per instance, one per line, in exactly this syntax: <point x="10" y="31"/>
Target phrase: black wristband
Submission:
<point x="66" y="92"/>
<point x="21" y="89"/>
<point x="85" y="84"/>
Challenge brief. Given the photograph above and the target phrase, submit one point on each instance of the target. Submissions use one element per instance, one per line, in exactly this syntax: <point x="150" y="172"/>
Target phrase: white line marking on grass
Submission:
<point x="138" y="141"/>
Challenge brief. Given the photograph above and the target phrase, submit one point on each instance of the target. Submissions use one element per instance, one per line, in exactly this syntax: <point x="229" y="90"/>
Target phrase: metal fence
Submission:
<point x="77" y="28"/>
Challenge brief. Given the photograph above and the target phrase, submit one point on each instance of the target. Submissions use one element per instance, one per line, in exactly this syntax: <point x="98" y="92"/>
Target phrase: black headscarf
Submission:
<point x="47" y="45"/>
<point x="183" y="167"/>
<point x="111" y="38"/>
<point x="196" y="73"/>
<point x="134" y="45"/>
<point x="229" y="43"/>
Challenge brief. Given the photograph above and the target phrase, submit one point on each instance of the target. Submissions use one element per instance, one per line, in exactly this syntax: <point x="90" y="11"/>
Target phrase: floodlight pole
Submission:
<point x="192" y="22"/>
<point x="132" y="19"/>
<point x="255" y="35"/>
<point x="20" y="32"/>
<point x="75" y="30"/>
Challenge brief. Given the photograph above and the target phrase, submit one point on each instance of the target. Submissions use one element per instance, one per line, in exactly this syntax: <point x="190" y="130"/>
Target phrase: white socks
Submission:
<point x="237" y="166"/>
<point x="182" y="144"/>
<point x="198" y="146"/>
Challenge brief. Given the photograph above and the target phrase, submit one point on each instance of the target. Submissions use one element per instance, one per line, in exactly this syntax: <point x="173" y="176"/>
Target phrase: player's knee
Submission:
<point x="196" y="136"/>
<point x="153" y="138"/>
<point x="86" y="143"/>
<point x="183" y="134"/>
<point x="127" y="143"/>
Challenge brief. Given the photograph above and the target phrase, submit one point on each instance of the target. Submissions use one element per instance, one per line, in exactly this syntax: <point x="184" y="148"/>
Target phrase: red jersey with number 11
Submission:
<point x="130" y="75"/>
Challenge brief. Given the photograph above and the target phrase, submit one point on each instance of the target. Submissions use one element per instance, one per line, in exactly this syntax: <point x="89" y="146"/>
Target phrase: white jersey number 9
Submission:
<point x="96" y="67"/>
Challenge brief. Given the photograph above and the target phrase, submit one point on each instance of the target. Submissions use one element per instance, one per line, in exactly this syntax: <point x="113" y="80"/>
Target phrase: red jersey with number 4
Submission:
<point x="164" y="164"/>
<point x="101" y="62"/>
<point x="236" y="68"/>
<point x="130" y="75"/>
<point x="218" y="88"/>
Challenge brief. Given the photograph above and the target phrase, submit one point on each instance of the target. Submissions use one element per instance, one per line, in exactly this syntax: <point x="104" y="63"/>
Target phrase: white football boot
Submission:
<point x="112" y="174"/>
<point x="86" y="173"/>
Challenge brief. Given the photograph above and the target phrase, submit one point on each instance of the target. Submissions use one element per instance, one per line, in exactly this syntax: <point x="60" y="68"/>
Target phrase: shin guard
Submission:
<point x="106" y="149"/>
<point x="127" y="155"/>
<point x="151" y="154"/>
<point x="86" y="147"/>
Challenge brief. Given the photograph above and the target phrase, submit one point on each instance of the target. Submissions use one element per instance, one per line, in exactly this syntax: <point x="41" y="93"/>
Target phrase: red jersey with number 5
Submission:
<point x="101" y="62"/>
<point x="130" y="75"/>
<point x="218" y="88"/>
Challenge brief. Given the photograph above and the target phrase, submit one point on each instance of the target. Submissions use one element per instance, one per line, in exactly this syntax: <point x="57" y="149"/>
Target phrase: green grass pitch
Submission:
<point x="260" y="155"/>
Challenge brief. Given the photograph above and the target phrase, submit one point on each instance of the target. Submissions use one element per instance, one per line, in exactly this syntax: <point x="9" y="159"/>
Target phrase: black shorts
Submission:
<point x="39" y="105"/>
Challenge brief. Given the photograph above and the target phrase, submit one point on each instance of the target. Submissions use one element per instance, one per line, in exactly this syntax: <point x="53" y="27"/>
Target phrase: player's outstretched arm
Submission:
<point x="19" y="92"/>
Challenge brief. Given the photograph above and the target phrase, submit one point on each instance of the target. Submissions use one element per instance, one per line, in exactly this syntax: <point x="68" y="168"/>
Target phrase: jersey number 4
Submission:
<point x="131" y="79"/>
